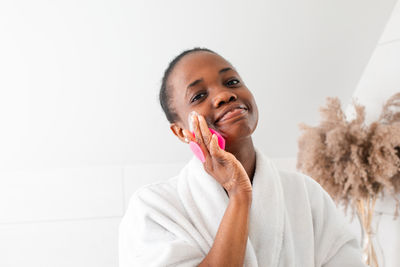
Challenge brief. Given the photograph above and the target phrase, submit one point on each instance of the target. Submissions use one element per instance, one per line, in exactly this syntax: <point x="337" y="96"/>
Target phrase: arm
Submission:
<point x="229" y="245"/>
<point x="230" y="242"/>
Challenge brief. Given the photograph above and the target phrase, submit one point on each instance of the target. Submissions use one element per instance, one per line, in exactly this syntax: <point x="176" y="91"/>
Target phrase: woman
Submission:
<point x="235" y="208"/>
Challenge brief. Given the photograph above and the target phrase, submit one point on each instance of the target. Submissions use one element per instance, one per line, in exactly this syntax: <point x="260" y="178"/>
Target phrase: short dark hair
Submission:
<point x="164" y="95"/>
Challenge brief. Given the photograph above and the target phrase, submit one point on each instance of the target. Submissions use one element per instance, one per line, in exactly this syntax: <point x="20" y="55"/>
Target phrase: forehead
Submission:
<point x="194" y="66"/>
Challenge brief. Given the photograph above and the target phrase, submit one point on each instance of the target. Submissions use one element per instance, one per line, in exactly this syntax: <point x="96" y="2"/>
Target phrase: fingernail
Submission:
<point x="186" y="138"/>
<point x="190" y="120"/>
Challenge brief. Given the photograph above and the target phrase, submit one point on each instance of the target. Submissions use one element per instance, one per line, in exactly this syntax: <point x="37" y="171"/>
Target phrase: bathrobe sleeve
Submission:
<point x="336" y="245"/>
<point x="150" y="235"/>
<point x="347" y="255"/>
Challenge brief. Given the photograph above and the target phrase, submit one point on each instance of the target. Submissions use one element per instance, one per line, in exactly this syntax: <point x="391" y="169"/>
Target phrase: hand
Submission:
<point x="220" y="164"/>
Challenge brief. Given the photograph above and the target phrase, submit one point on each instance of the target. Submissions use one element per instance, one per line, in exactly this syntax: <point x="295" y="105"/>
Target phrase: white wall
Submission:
<point x="380" y="80"/>
<point x="381" y="77"/>
<point x="79" y="119"/>
<point x="80" y="79"/>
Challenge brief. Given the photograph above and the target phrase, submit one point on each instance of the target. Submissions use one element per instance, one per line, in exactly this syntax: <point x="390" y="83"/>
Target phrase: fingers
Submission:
<point x="188" y="136"/>
<point x="199" y="138"/>
<point x="205" y="131"/>
<point x="215" y="150"/>
<point x="214" y="146"/>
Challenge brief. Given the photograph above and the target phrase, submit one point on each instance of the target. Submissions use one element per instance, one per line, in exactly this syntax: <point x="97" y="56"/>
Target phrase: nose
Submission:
<point x="223" y="97"/>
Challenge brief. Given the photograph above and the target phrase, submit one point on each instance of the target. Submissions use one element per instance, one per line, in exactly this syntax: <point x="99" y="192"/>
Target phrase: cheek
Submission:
<point x="251" y="100"/>
<point x="254" y="109"/>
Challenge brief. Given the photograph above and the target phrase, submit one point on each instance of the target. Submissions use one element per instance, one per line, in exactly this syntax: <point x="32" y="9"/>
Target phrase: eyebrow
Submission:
<point x="201" y="79"/>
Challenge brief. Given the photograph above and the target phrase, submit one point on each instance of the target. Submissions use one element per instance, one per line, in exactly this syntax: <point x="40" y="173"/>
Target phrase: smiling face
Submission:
<point x="208" y="84"/>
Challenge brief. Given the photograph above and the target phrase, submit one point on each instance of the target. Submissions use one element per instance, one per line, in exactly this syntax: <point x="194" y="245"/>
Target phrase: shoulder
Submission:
<point x="155" y="192"/>
<point x="152" y="204"/>
<point x="303" y="192"/>
<point x="330" y="229"/>
<point x="294" y="180"/>
<point x="159" y="187"/>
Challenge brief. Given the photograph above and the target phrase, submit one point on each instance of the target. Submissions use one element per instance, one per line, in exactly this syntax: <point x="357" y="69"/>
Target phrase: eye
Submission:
<point x="195" y="98"/>
<point x="233" y="82"/>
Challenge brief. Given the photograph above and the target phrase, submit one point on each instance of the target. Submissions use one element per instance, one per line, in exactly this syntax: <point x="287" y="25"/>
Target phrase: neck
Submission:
<point x="244" y="151"/>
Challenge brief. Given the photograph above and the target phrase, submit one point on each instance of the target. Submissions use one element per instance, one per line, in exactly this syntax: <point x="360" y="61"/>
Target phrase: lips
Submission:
<point x="230" y="112"/>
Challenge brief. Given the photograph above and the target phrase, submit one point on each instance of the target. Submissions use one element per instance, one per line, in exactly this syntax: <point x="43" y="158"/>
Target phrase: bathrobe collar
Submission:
<point x="205" y="202"/>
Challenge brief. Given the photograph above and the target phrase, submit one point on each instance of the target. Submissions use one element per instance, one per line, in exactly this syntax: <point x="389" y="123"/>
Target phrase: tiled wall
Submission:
<point x="70" y="217"/>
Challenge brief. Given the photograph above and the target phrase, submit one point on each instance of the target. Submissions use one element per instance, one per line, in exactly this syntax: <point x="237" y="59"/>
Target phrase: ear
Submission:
<point x="178" y="132"/>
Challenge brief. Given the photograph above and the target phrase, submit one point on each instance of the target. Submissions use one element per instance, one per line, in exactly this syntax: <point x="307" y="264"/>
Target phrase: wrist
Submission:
<point x="241" y="197"/>
<point x="240" y="187"/>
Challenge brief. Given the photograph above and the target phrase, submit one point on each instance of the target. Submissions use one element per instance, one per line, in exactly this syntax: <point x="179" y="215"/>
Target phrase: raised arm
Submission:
<point x="229" y="245"/>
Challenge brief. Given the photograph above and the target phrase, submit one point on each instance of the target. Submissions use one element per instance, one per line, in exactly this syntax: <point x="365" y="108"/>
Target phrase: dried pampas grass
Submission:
<point x="352" y="161"/>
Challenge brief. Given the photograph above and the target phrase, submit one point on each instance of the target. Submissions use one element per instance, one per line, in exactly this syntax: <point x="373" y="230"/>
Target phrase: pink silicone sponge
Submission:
<point x="197" y="149"/>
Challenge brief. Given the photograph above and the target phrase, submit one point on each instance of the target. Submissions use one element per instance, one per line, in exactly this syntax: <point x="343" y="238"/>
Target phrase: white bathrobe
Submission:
<point x="293" y="221"/>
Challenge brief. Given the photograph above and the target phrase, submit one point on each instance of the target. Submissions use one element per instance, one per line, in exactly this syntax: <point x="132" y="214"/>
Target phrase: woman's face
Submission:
<point x="208" y="84"/>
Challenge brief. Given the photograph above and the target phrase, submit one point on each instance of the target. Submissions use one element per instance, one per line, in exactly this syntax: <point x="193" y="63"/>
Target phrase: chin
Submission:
<point x="233" y="132"/>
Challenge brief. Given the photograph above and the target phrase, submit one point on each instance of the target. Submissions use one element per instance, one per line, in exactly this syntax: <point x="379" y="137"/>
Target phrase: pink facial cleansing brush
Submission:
<point x="197" y="149"/>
